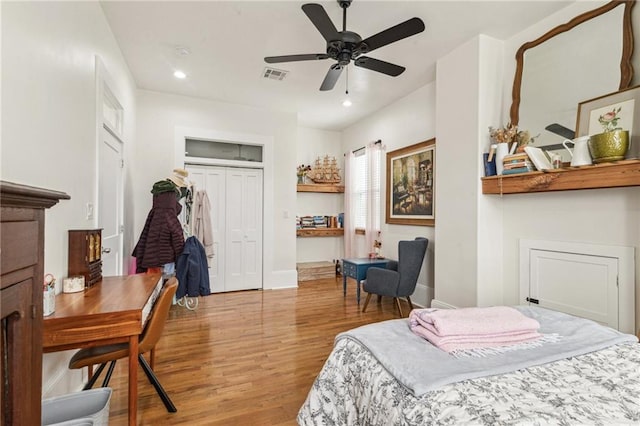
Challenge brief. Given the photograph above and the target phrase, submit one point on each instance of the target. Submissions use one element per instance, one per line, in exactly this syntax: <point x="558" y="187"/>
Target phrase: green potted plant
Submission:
<point x="613" y="142"/>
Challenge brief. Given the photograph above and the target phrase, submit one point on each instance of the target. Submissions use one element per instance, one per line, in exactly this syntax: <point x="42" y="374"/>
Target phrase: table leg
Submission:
<point x="344" y="283"/>
<point x="358" y="291"/>
<point x="133" y="379"/>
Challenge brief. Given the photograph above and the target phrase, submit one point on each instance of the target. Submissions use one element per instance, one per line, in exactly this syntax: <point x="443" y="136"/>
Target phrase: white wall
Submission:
<point x="405" y="122"/>
<point x="311" y="144"/>
<point x="468" y="101"/>
<point x="600" y="216"/>
<point x="490" y="275"/>
<point x="49" y="123"/>
<point x="158" y="116"/>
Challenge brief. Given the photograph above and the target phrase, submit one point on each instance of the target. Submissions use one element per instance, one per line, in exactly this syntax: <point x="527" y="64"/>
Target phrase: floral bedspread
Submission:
<point x="599" y="388"/>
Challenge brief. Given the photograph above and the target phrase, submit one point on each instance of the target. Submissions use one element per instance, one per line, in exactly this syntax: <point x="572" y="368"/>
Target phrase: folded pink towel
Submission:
<point x="472" y="328"/>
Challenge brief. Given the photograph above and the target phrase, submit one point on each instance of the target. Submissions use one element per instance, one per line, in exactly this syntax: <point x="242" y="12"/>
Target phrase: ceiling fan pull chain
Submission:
<point x="347" y="91"/>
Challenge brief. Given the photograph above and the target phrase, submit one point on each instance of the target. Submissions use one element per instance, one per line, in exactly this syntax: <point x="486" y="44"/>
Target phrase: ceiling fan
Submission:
<point x="345" y="46"/>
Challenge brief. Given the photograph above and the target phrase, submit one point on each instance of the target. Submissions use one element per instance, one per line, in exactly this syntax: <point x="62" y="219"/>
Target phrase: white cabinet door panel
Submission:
<point x="578" y="284"/>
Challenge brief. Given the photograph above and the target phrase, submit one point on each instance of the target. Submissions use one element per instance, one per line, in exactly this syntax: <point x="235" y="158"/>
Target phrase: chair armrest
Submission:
<point x="382" y="281"/>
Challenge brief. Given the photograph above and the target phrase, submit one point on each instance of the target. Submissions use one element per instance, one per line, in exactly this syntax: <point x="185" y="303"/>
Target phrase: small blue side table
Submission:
<point x="357" y="269"/>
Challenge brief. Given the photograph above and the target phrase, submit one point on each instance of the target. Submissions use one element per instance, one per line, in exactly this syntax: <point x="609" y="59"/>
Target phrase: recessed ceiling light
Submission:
<point x="346" y="103"/>
<point x="179" y="74"/>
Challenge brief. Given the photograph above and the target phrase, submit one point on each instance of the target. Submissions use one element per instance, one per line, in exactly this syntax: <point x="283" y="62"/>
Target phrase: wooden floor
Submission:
<point x="245" y="358"/>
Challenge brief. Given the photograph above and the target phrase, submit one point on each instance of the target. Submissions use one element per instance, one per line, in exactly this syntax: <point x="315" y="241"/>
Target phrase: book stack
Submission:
<point x="319" y="221"/>
<point x="517" y="163"/>
<point x="306" y="222"/>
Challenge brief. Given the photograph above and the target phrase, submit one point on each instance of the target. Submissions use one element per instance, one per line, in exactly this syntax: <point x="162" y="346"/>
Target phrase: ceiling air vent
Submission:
<point x="274" y="74"/>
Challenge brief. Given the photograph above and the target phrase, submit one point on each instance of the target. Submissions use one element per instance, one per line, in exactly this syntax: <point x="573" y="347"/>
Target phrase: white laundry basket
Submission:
<point x="90" y="407"/>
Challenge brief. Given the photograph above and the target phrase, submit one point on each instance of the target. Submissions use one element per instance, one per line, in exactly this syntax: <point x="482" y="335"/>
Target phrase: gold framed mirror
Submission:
<point x="624" y="10"/>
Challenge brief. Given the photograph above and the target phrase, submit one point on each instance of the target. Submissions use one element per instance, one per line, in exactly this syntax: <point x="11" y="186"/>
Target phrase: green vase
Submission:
<point x="609" y="146"/>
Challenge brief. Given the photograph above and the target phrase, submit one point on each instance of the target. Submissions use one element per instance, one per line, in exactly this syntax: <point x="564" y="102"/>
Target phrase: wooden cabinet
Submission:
<point x="21" y="287"/>
<point x="85" y="255"/>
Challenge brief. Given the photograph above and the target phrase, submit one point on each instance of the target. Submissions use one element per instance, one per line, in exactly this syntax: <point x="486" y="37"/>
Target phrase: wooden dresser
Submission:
<point x="21" y="286"/>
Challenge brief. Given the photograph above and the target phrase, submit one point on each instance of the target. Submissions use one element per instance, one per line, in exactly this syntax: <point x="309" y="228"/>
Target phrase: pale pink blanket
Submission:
<point x="472" y="328"/>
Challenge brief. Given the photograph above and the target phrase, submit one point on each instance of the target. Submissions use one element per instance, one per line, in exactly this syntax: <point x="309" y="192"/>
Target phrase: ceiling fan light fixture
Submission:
<point x="347" y="103"/>
<point x="179" y="74"/>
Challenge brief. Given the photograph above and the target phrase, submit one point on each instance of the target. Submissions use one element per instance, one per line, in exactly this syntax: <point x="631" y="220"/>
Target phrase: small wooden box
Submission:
<point x="85" y="255"/>
<point x="315" y="270"/>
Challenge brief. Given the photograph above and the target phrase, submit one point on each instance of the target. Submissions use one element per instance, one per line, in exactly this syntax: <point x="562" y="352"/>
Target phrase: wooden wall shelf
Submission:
<point x="320" y="187"/>
<point x="320" y="232"/>
<point x="605" y="175"/>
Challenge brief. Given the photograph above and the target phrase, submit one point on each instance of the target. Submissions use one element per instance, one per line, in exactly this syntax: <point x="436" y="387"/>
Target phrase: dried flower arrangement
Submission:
<point x="302" y="170"/>
<point x="509" y="134"/>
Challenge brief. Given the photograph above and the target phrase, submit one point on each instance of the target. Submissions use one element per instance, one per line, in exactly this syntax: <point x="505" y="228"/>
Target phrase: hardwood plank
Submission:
<point x="245" y="358"/>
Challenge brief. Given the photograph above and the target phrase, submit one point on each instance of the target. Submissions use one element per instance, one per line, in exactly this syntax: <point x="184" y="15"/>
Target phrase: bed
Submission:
<point x="379" y="374"/>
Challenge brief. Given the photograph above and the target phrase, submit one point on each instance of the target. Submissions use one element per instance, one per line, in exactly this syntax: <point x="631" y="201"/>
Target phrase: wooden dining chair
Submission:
<point x="102" y="355"/>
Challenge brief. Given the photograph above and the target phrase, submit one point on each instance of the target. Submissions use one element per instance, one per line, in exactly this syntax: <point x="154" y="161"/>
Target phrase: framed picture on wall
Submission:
<point x="624" y="104"/>
<point x="411" y="185"/>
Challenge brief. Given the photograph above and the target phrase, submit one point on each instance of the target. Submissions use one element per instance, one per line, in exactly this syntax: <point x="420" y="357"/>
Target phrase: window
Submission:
<point x="366" y="188"/>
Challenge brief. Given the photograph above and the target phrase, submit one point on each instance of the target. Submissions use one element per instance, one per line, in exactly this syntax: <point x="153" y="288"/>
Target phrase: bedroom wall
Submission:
<point x="468" y="226"/>
<point x="489" y="249"/>
<point x="159" y="114"/>
<point x="405" y="122"/>
<point x="49" y="124"/>
<point x="600" y="216"/>
<point x="310" y="144"/>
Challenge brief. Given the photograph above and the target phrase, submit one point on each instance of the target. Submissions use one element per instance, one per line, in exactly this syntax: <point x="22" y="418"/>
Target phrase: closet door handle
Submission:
<point x="106" y="250"/>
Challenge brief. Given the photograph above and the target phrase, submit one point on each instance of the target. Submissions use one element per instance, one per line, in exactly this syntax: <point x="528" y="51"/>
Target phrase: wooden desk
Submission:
<point x="357" y="269"/>
<point x="112" y="311"/>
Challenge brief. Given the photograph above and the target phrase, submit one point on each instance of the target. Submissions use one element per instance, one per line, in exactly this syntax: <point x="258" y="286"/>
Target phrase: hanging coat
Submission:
<point x="201" y="222"/>
<point x="192" y="271"/>
<point x="162" y="239"/>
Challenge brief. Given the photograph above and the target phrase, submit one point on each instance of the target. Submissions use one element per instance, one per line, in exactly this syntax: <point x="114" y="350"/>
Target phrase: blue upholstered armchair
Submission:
<point x="399" y="278"/>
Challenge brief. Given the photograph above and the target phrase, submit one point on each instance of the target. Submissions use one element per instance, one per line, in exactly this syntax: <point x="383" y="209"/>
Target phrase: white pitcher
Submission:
<point x="580" y="155"/>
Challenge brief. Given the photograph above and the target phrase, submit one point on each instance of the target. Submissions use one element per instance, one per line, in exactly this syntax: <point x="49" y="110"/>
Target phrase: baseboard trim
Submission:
<point x="435" y="303"/>
<point x="281" y="279"/>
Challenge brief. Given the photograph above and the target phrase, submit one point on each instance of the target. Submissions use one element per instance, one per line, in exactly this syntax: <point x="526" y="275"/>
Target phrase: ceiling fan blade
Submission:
<point x="293" y="58"/>
<point x="332" y="76"/>
<point x="398" y="32"/>
<point x="377" y="65"/>
<point x="321" y="20"/>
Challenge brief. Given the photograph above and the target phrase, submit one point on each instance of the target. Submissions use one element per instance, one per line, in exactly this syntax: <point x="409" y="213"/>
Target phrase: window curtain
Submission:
<point x="373" y="152"/>
<point x="349" y="206"/>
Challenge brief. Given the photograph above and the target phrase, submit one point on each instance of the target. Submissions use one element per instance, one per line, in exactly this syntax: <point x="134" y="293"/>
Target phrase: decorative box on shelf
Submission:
<point x="85" y="255"/>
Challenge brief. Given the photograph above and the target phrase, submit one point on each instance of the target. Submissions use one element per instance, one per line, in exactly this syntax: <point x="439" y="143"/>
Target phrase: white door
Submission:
<point x="212" y="180"/>
<point x="236" y="220"/>
<point x="244" y="229"/>
<point x="110" y="199"/>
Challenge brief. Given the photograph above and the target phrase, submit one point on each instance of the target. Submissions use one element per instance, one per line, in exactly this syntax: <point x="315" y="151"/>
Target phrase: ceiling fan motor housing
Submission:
<point x="347" y="48"/>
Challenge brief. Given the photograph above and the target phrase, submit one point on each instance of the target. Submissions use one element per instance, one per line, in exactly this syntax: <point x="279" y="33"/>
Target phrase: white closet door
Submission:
<point x="236" y="219"/>
<point x="216" y="191"/>
<point x="212" y="180"/>
<point x="244" y="229"/>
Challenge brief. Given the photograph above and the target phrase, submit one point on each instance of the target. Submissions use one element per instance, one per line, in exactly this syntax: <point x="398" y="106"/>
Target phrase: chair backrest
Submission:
<point x="410" y="257"/>
<point x="158" y="318"/>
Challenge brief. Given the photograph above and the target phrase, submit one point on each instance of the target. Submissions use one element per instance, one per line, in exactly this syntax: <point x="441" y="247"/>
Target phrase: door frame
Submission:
<point x="267" y="142"/>
<point x="111" y="121"/>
